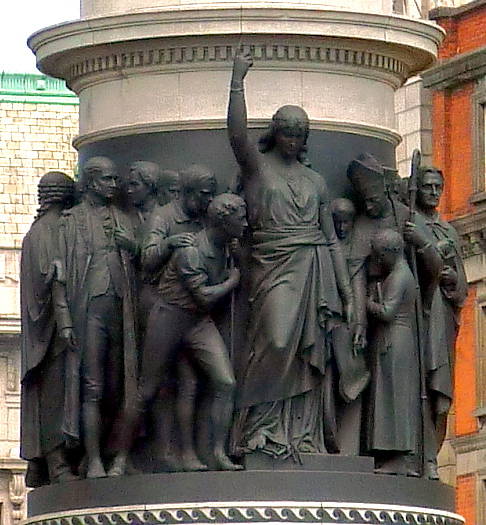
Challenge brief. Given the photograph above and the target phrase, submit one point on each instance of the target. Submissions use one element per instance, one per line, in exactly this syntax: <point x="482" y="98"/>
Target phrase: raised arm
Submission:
<point x="245" y="152"/>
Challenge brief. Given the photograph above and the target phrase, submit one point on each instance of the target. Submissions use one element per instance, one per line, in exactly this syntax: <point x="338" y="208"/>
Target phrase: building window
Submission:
<point x="399" y="7"/>
<point x="479" y="141"/>
<point x="481" y="353"/>
<point x="481" y="498"/>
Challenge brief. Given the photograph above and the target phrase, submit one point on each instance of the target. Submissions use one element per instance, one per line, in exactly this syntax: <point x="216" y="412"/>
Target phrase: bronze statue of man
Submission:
<point x="393" y="423"/>
<point x="170" y="227"/>
<point x="368" y="179"/>
<point x="194" y="281"/>
<point x="44" y="353"/>
<point x="97" y="247"/>
<point x="168" y="187"/>
<point x="442" y="312"/>
<point x="352" y="369"/>
<point x="142" y="187"/>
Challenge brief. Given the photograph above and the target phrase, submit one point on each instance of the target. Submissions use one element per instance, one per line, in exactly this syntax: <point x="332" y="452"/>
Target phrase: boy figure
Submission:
<point x="353" y="373"/>
<point x="192" y="283"/>
<point x="170" y="227"/>
<point x="394" y="412"/>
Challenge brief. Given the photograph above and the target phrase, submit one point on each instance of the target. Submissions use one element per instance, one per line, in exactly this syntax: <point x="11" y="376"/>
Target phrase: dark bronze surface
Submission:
<point x="181" y="337"/>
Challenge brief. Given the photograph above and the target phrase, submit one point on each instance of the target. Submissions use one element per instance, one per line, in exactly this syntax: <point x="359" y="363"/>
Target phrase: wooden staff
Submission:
<point x="419" y="311"/>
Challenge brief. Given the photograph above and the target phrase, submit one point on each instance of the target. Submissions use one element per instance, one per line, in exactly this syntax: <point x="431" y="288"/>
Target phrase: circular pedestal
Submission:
<point x="141" y="69"/>
<point x="246" y="497"/>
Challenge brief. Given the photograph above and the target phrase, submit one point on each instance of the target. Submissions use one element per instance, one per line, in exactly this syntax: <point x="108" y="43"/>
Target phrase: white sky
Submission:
<point x="19" y="19"/>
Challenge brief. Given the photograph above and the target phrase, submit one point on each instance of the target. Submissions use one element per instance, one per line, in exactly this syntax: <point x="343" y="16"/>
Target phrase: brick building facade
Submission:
<point x="39" y="119"/>
<point x="458" y="85"/>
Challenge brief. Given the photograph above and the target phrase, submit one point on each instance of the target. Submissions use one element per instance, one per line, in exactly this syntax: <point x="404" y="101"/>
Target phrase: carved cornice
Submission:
<point x="471" y="443"/>
<point x="57" y="48"/>
<point x="452" y="72"/>
<point x="247" y="512"/>
<point x="472" y="231"/>
<point x="446" y="12"/>
<point x="167" y="57"/>
<point x="9" y="326"/>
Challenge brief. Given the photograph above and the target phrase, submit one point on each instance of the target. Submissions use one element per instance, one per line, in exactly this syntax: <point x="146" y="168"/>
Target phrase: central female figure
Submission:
<point x="299" y="286"/>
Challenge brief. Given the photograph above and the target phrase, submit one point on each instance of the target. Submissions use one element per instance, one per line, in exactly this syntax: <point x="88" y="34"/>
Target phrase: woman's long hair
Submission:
<point x="287" y="118"/>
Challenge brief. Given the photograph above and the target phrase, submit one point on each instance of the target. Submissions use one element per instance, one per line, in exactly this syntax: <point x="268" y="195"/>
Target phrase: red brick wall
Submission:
<point x="452" y="152"/>
<point x="453" y="147"/>
<point x="464" y="33"/>
<point x="465" y="369"/>
<point x="465" y="498"/>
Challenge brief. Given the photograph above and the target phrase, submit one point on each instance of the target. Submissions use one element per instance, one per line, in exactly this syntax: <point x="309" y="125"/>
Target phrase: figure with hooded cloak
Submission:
<point x="299" y="286"/>
<point x="44" y="353"/>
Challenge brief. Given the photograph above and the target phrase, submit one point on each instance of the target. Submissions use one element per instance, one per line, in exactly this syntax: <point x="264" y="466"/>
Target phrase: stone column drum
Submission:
<point x="153" y="77"/>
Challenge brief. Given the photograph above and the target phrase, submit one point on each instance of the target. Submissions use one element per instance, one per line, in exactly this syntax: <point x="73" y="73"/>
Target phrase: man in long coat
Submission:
<point x="44" y="354"/>
<point x="443" y="305"/>
<point x="96" y="248"/>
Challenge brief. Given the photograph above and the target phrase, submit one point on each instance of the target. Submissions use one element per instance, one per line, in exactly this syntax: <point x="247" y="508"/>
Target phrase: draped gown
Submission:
<point x="294" y="300"/>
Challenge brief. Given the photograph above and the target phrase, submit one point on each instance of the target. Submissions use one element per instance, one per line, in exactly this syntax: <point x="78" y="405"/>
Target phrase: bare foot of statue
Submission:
<point x="223" y="462"/>
<point x="430" y="470"/>
<point x="170" y="463"/>
<point x="96" y="469"/>
<point x="191" y="463"/>
<point x="65" y="476"/>
<point x="119" y="466"/>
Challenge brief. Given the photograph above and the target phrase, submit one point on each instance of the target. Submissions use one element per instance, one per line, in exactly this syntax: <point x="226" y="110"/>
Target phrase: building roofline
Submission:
<point x="448" y="12"/>
<point x="34" y="88"/>
<point x="451" y="72"/>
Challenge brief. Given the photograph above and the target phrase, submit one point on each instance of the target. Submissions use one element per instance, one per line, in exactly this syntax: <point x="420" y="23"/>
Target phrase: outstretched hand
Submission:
<point x="241" y="65"/>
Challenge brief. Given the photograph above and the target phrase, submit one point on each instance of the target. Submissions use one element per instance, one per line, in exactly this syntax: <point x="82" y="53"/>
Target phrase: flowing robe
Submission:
<point x="294" y="300"/>
<point x="394" y="408"/>
<point x="43" y="353"/>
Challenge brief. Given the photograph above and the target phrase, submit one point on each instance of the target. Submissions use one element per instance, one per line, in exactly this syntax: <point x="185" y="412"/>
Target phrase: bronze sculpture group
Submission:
<point x="129" y="299"/>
